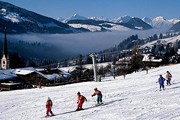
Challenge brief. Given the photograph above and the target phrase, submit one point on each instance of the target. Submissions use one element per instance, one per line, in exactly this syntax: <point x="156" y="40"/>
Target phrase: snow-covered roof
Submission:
<point x="7" y="74"/>
<point x="178" y="52"/>
<point x="146" y="58"/>
<point x="52" y="76"/>
<point x="24" y="71"/>
<point x="10" y="83"/>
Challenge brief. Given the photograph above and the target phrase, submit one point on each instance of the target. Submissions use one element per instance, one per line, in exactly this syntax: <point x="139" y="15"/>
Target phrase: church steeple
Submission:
<point x="5" y="57"/>
<point x="5" y="49"/>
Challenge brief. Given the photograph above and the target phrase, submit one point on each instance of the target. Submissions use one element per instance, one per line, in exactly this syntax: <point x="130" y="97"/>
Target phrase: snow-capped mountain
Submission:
<point x="160" y="22"/>
<point x="174" y="21"/>
<point x="75" y="17"/>
<point x="99" y="18"/>
<point x="147" y="20"/>
<point x="123" y="19"/>
<point x="103" y="24"/>
<point x="19" y="20"/>
<point x="137" y="23"/>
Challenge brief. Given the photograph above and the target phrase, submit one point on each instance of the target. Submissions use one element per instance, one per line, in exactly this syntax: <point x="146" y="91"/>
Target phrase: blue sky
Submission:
<point x="105" y="8"/>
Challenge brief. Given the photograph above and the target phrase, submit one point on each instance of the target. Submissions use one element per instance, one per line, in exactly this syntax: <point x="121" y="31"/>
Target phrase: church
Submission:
<point x="5" y="56"/>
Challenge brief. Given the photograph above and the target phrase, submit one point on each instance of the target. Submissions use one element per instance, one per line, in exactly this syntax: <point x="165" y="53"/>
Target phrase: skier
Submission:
<point x="161" y="82"/>
<point x="48" y="107"/>
<point x="99" y="95"/>
<point x="168" y="78"/>
<point x="80" y="101"/>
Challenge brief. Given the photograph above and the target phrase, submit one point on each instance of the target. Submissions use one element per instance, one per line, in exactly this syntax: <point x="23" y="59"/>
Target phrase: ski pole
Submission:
<point x="94" y="99"/>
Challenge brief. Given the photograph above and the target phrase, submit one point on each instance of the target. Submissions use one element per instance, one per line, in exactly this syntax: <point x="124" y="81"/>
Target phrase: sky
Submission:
<point x="102" y="8"/>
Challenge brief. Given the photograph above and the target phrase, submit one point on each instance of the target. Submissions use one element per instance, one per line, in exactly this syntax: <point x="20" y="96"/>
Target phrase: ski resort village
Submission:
<point x="88" y="67"/>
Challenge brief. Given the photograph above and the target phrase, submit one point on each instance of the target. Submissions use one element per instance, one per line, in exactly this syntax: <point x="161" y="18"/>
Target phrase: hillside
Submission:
<point x="133" y="98"/>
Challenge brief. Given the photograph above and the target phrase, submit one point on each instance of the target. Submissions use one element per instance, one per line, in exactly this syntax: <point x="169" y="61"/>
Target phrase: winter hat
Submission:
<point x="95" y="88"/>
<point x="78" y="93"/>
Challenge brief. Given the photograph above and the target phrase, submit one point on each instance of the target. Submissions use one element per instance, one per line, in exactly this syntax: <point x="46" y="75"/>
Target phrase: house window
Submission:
<point x="4" y="62"/>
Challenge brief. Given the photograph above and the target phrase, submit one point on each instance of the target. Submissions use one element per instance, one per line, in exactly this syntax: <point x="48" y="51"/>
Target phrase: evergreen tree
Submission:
<point x="161" y="36"/>
<point x="136" y="59"/>
<point x="155" y="37"/>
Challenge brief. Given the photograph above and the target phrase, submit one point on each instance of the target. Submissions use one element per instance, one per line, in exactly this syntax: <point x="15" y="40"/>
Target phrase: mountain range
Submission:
<point x="120" y="24"/>
<point x="19" y="20"/>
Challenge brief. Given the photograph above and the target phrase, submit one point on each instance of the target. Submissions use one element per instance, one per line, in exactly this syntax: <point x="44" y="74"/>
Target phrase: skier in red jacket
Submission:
<point x="49" y="106"/>
<point x="80" y="101"/>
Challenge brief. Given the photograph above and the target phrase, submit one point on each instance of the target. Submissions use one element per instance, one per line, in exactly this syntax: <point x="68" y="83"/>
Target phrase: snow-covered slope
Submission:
<point x="100" y="27"/>
<point x="19" y="20"/>
<point x="162" y="41"/>
<point x="133" y="98"/>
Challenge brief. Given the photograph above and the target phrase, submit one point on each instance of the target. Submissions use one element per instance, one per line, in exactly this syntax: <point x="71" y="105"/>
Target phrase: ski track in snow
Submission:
<point x="135" y="98"/>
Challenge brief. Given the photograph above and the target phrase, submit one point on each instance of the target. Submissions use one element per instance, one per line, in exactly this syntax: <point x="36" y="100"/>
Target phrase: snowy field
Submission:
<point x="135" y="98"/>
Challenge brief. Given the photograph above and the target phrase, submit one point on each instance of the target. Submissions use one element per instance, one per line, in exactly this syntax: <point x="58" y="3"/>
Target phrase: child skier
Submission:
<point x="99" y="95"/>
<point x="48" y="107"/>
<point x="168" y="78"/>
<point x="80" y="101"/>
<point x="161" y="82"/>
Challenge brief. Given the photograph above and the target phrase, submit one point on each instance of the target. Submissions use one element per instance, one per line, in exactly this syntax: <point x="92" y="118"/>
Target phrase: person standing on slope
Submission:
<point x="99" y="95"/>
<point x="48" y="107"/>
<point x="161" y="82"/>
<point x="168" y="78"/>
<point x="80" y="101"/>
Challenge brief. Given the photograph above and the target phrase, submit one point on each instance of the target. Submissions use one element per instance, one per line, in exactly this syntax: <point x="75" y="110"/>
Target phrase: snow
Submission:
<point x="99" y="18"/>
<point x="174" y="21"/>
<point x="24" y="71"/>
<point x="75" y="17"/>
<point x="123" y="19"/>
<point x="88" y="66"/>
<point x="160" y="22"/>
<point x="162" y="41"/>
<point x="139" y="28"/>
<point x="133" y="98"/>
<point x="7" y="74"/>
<point x="116" y="27"/>
<point x="147" y="59"/>
<point x="11" y="16"/>
<point x="92" y="28"/>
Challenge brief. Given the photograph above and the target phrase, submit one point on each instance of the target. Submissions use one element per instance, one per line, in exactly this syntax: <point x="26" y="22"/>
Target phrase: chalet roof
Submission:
<point x="28" y="70"/>
<point x="24" y="71"/>
<point x="10" y="84"/>
<point x="178" y="52"/>
<point x="146" y="58"/>
<point x="7" y="74"/>
<point x="52" y="76"/>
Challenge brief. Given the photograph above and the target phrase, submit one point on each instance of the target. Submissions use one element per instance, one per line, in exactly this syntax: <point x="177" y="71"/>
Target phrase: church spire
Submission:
<point x="5" y="57"/>
<point x="5" y="49"/>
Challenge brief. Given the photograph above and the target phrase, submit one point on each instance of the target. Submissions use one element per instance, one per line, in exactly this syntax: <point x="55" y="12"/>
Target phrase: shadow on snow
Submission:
<point x="104" y="104"/>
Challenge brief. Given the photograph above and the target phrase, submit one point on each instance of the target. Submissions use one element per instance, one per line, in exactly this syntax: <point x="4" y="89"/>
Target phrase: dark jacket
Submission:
<point x="161" y="80"/>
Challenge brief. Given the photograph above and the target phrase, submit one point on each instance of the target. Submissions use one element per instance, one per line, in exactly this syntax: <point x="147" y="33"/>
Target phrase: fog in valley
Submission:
<point x="60" y="46"/>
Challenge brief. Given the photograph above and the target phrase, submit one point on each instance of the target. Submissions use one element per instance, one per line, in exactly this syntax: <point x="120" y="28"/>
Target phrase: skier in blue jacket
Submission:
<point x="161" y="82"/>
